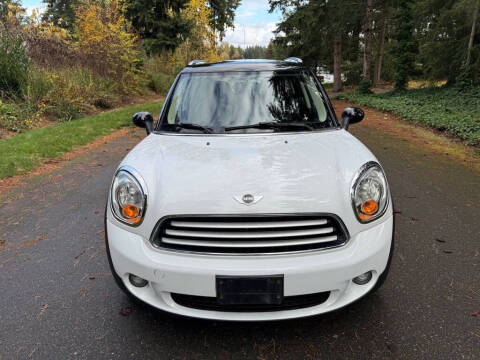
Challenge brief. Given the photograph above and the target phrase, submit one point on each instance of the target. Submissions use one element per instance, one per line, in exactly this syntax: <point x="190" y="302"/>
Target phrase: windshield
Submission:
<point x="237" y="102"/>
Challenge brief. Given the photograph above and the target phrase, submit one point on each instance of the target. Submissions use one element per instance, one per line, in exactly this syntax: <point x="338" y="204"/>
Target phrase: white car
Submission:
<point x="248" y="200"/>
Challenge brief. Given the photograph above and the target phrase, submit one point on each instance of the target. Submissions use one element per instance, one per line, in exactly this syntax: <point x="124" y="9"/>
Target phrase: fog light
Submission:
<point x="363" y="279"/>
<point x="137" y="281"/>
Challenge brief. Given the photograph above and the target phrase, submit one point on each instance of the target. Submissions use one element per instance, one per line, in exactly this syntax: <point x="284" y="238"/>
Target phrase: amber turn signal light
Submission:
<point x="130" y="211"/>
<point x="369" y="207"/>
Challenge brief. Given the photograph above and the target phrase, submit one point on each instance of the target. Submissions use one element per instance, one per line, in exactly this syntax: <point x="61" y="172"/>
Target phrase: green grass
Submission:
<point x="25" y="152"/>
<point x="442" y="108"/>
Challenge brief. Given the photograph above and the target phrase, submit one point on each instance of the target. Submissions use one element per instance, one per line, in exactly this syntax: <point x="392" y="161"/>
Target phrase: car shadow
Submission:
<point x="349" y="327"/>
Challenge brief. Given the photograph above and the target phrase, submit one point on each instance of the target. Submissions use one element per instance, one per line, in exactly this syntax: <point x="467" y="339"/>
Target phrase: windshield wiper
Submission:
<point x="272" y="125"/>
<point x="183" y="125"/>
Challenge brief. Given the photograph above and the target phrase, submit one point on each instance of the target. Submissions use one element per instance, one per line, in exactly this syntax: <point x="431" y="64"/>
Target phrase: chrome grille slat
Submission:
<point x="248" y="244"/>
<point x="249" y="225"/>
<point x="249" y="234"/>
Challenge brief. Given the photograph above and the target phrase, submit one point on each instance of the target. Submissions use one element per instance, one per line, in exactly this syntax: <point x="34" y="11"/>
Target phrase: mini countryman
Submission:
<point x="248" y="199"/>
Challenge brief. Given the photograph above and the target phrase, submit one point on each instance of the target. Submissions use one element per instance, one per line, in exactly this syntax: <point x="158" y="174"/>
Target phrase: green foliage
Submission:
<point x="8" y="117"/>
<point x="255" y="52"/>
<point x="444" y="109"/>
<point x="17" y="117"/>
<point x="160" y="82"/>
<point x="223" y="14"/>
<point x="310" y="27"/>
<point x="14" y="64"/>
<point x="353" y="72"/>
<point x="37" y="87"/>
<point x="26" y="151"/>
<point x="159" y="23"/>
<point x="406" y="48"/>
<point x="465" y="77"/>
<point x="364" y="87"/>
<point x="61" y="12"/>
<point x="444" y="28"/>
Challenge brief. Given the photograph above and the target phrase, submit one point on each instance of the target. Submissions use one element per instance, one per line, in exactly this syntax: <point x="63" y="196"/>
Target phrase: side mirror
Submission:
<point x="351" y="115"/>
<point x="144" y="119"/>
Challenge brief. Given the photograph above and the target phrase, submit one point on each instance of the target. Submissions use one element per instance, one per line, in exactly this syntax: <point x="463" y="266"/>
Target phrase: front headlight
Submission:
<point x="128" y="198"/>
<point x="369" y="192"/>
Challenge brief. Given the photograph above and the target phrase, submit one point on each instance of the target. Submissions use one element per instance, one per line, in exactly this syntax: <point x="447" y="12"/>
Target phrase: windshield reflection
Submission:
<point x="231" y="99"/>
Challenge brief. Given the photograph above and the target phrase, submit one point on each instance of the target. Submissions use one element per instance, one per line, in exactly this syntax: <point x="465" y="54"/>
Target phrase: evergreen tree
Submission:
<point x="159" y="22"/>
<point x="61" y="12"/>
<point x="406" y="49"/>
<point x="255" y="52"/>
<point x="223" y="14"/>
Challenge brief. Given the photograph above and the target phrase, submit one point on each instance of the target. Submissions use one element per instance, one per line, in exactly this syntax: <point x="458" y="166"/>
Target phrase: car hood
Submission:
<point x="290" y="173"/>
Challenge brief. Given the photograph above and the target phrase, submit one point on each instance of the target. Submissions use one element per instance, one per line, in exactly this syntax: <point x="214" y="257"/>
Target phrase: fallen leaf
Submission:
<point x="43" y="309"/>
<point x="96" y="212"/>
<point x="476" y="313"/>
<point x="32" y="242"/>
<point x="56" y="178"/>
<point x="447" y="251"/>
<point x="439" y="240"/>
<point x="84" y="291"/>
<point x="91" y="277"/>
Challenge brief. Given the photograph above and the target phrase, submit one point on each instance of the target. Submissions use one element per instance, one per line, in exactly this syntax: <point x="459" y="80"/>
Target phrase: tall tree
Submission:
<point x="367" y="33"/>
<point x="406" y="48"/>
<point x="377" y="70"/>
<point x="61" y="12"/>
<point x="159" y="22"/>
<point x="222" y="15"/>
<point x="472" y="33"/>
<point x="312" y="30"/>
<point x="337" y="63"/>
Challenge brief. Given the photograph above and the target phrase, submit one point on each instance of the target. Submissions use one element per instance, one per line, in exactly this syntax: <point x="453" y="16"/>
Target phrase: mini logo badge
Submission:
<point x="248" y="199"/>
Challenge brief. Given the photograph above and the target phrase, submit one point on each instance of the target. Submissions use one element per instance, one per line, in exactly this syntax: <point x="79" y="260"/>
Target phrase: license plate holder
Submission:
<point x="249" y="290"/>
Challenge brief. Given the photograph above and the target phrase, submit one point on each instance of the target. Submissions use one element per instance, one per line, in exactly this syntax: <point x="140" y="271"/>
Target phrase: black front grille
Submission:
<point x="232" y="234"/>
<point x="289" y="303"/>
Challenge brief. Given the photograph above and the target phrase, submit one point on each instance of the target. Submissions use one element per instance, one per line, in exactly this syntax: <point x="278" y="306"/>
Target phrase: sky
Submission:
<point x="253" y="23"/>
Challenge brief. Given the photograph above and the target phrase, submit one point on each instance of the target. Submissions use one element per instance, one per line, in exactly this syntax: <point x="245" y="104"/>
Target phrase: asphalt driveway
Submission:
<point x="59" y="301"/>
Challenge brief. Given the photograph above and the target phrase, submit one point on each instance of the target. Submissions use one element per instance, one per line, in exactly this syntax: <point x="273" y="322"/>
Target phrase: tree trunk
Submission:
<point x="472" y="34"/>
<point x="378" y="61"/>
<point x="337" y="64"/>
<point x="367" y="52"/>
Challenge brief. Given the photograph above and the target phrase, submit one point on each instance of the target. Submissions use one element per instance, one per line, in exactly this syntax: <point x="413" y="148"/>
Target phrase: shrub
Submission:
<point x="15" y="117"/>
<point x="37" y="86"/>
<point x="160" y="83"/>
<point x="14" y="64"/>
<point x="445" y="109"/>
<point x="364" y="87"/>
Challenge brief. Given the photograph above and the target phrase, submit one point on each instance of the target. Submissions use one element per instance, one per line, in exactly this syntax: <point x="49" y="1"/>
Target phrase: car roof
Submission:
<point x="243" y="65"/>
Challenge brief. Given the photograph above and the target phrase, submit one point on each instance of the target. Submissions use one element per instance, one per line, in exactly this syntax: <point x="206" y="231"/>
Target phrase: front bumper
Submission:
<point x="304" y="273"/>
